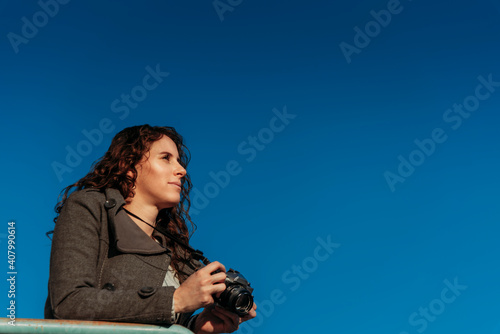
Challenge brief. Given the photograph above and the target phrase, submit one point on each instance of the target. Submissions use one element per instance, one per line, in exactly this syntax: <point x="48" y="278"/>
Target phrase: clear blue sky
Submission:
<point x="361" y="141"/>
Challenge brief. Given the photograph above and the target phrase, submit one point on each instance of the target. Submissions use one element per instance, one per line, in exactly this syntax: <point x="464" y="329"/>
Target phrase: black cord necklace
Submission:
<point x="142" y="220"/>
<point x="196" y="254"/>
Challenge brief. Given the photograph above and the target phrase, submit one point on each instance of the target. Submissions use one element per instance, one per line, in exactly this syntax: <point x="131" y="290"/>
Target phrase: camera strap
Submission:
<point x="195" y="253"/>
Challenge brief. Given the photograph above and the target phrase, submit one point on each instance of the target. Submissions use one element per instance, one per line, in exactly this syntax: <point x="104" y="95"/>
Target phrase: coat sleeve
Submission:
<point x="74" y="292"/>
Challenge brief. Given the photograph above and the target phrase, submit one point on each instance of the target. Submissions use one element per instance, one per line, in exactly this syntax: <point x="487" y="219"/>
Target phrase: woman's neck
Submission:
<point x="146" y="212"/>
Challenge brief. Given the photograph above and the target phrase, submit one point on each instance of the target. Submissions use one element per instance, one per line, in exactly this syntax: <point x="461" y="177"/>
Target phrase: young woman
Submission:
<point x="110" y="260"/>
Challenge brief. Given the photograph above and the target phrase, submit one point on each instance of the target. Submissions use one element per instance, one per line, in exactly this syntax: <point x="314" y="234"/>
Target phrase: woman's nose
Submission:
<point x="180" y="170"/>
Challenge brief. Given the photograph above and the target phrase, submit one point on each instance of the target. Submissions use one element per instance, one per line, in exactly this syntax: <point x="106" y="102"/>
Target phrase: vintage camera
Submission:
<point x="237" y="297"/>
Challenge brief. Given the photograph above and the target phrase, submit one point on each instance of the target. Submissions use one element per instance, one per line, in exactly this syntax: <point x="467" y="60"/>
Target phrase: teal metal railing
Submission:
<point x="84" y="327"/>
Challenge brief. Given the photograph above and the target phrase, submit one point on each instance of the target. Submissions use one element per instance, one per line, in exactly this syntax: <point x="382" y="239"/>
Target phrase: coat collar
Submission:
<point x="130" y="238"/>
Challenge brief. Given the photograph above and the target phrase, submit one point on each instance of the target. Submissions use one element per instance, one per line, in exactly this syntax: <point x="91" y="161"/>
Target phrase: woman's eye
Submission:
<point x="167" y="157"/>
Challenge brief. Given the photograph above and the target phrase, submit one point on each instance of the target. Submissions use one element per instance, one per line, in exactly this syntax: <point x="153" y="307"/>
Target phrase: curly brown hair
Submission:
<point x="111" y="171"/>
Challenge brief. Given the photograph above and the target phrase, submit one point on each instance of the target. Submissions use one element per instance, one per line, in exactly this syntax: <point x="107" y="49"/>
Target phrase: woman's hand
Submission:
<point x="252" y="314"/>
<point x="198" y="289"/>
<point x="214" y="319"/>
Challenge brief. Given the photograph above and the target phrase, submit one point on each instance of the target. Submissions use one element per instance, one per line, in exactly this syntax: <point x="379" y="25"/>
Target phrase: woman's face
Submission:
<point x="159" y="175"/>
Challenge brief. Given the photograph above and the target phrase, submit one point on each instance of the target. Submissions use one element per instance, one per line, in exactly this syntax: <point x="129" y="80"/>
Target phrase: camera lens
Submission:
<point x="240" y="301"/>
<point x="244" y="304"/>
<point x="237" y="297"/>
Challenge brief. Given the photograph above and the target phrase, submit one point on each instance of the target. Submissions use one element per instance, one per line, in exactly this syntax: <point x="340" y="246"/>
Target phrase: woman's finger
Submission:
<point x="218" y="278"/>
<point x="252" y="314"/>
<point x="217" y="289"/>
<point x="214" y="266"/>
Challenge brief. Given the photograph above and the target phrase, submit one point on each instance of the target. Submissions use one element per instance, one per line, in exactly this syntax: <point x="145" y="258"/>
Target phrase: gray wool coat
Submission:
<point x="104" y="267"/>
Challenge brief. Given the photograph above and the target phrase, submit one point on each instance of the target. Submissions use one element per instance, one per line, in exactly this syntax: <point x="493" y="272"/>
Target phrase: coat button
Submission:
<point x="147" y="291"/>
<point x="110" y="203"/>
<point x="109" y="286"/>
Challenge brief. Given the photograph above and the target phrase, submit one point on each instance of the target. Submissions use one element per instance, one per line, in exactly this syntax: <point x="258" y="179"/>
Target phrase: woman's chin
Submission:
<point x="168" y="205"/>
